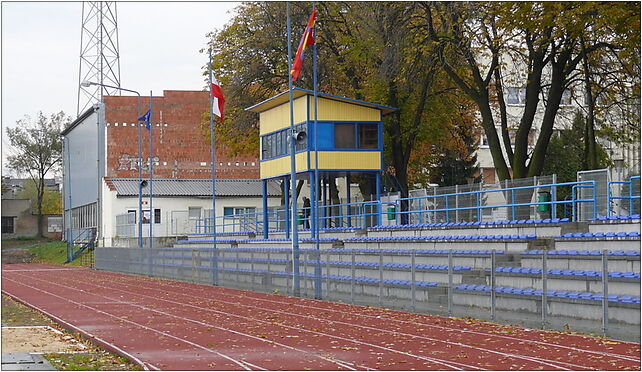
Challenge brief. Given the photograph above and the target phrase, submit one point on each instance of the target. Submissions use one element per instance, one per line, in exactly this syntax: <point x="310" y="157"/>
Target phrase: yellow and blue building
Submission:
<point x="347" y="138"/>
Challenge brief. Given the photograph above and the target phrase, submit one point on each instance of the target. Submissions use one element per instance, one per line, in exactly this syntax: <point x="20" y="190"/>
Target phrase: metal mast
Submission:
<point x="99" y="54"/>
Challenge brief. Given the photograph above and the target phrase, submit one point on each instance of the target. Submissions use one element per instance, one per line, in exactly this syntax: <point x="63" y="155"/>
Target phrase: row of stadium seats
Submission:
<point x="616" y="218"/>
<point x="334" y="263"/>
<point x="633" y="234"/>
<point x="438" y="237"/>
<point x="473" y="223"/>
<point x="550" y="293"/>
<point x="465" y="252"/>
<point x="573" y="252"/>
<point x="583" y="273"/>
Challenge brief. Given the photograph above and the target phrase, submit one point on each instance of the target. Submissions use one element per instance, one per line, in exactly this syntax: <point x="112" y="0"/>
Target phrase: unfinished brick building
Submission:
<point x="180" y="149"/>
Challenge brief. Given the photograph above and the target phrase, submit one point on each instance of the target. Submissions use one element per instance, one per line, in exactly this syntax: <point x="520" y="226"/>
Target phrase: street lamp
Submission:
<point x="87" y="84"/>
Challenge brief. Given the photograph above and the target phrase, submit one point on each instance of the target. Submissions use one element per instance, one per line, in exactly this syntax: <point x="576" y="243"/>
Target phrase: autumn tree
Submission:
<point x="548" y="40"/>
<point x="367" y="51"/>
<point x="38" y="151"/>
<point x="51" y="199"/>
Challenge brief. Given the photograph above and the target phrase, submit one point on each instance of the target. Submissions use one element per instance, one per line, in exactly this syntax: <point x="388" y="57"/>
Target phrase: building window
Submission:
<point x="236" y="211"/>
<point x="7" y="225"/>
<point x="132" y="212"/>
<point x="516" y="96"/>
<point x="344" y="134"/>
<point x="368" y="136"/>
<point x="194" y="212"/>
<point x="157" y="216"/>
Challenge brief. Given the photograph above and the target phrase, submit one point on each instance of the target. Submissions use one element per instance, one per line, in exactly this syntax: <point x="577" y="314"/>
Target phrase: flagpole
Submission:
<point x="293" y="195"/>
<point x="151" y="173"/>
<point x="214" y="253"/>
<point x="317" y="266"/>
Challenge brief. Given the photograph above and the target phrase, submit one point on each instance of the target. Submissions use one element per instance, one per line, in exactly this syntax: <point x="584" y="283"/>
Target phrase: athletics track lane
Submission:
<point x="176" y="325"/>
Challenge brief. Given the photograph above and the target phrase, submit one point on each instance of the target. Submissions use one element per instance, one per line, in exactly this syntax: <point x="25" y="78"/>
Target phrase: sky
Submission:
<point x="159" y="46"/>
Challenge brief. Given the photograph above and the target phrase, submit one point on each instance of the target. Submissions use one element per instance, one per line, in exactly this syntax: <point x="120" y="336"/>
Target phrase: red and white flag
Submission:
<point x="218" y="101"/>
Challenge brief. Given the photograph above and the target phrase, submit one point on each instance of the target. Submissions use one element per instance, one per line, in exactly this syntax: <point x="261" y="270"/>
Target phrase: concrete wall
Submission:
<point x="25" y="224"/>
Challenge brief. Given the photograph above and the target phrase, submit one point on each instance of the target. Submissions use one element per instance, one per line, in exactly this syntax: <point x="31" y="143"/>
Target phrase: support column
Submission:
<point x="325" y="194"/>
<point x="348" y="197"/>
<point x="313" y="204"/>
<point x="378" y="197"/>
<point x="265" y="209"/>
<point x="286" y="188"/>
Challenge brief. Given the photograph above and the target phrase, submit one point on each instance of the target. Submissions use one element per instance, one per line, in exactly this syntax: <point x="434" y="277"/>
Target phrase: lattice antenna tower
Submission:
<point x="99" y="54"/>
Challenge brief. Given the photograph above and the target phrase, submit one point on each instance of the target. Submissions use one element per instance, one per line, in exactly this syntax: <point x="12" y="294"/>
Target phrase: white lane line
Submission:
<point x="548" y="362"/>
<point x="434" y="360"/>
<point x="239" y="363"/>
<point x="87" y="334"/>
<point x="601" y="353"/>
<point x="334" y="361"/>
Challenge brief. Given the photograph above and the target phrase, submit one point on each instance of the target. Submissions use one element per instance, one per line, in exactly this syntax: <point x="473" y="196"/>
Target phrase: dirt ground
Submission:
<point x="38" y="339"/>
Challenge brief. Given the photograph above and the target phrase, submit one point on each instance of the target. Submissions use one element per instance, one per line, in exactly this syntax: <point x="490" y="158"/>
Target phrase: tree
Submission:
<point x="367" y="51"/>
<point x="51" y="199"/>
<point x="546" y="38"/>
<point x="39" y="151"/>
<point x="565" y="156"/>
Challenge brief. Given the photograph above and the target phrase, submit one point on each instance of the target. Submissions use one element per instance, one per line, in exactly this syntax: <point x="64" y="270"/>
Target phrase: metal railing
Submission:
<point x="439" y="208"/>
<point x="629" y="192"/>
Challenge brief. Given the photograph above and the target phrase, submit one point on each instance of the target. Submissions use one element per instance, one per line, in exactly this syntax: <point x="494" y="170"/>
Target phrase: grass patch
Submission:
<point x="22" y="239"/>
<point x="50" y="253"/>
<point x="95" y="360"/>
<point x="16" y="314"/>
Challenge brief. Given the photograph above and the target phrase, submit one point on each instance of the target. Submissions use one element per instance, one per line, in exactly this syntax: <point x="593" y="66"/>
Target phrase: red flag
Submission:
<point x="306" y="39"/>
<point x="218" y="101"/>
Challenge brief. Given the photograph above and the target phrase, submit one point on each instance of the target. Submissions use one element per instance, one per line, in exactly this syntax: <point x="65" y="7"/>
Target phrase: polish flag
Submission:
<point x="218" y="101"/>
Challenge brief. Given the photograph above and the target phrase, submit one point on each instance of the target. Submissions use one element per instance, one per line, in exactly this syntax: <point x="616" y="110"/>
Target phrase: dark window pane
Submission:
<point x="7" y="225"/>
<point x="157" y="216"/>
<point x="344" y="136"/>
<point x="265" y="150"/>
<point x="368" y="136"/>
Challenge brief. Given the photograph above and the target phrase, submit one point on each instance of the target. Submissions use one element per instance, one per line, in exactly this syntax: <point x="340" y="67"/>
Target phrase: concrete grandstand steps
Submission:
<point x="625" y="261"/>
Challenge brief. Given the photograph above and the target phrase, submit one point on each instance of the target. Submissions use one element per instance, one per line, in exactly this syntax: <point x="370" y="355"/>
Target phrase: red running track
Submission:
<point x="169" y="325"/>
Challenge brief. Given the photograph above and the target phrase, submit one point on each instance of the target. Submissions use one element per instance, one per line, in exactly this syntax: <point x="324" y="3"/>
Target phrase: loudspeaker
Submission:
<point x="301" y="138"/>
<point x="143" y="183"/>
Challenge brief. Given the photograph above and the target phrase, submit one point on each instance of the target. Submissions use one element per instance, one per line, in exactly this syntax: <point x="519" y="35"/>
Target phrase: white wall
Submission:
<point x="114" y="206"/>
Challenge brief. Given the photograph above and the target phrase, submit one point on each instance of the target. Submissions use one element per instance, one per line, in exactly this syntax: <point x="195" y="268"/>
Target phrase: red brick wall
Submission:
<point x="180" y="149"/>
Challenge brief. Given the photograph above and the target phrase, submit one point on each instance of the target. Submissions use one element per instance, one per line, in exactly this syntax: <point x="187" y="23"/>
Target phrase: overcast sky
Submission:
<point x="159" y="50"/>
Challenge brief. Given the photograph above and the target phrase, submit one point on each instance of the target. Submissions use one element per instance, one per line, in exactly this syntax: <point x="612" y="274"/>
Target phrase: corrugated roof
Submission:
<point x="283" y="97"/>
<point x="194" y="187"/>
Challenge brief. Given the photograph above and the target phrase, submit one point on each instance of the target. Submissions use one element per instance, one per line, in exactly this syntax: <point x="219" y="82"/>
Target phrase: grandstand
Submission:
<point x="551" y="272"/>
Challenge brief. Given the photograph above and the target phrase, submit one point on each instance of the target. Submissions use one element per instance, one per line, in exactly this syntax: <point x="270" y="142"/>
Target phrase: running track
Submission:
<point x="163" y="324"/>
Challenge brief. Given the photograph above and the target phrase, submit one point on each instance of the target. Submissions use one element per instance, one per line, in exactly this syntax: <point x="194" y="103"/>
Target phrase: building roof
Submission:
<point x="284" y="97"/>
<point x="194" y="187"/>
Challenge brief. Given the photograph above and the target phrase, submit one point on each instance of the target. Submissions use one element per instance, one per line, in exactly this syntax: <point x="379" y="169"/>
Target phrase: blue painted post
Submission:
<point x="630" y="182"/>
<point x="265" y="210"/>
<point x="378" y="196"/>
<point x="313" y="214"/>
<point x="325" y="194"/>
<point x="554" y="197"/>
<point x="512" y="202"/>
<point x="595" y="200"/>
<point x="479" y="207"/>
<point x="287" y="206"/>
<point x="348" y="196"/>
<point x="447" y="210"/>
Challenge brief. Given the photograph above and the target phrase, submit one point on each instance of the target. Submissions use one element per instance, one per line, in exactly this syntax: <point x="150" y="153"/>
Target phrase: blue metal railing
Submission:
<point x="631" y="197"/>
<point x="435" y="200"/>
<point x="436" y="208"/>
